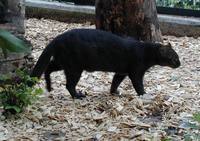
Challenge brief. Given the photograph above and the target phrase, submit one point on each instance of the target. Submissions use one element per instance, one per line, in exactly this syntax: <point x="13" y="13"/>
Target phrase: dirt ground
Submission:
<point x="174" y="98"/>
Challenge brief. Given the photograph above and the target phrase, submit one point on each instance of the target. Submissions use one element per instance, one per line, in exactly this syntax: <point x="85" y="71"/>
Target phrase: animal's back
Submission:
<point x="94" y="50"/>
<point x="91" y="37"/>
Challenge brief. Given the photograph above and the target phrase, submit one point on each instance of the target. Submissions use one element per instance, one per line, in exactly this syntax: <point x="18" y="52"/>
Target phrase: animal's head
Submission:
<point x="168" y="56"/>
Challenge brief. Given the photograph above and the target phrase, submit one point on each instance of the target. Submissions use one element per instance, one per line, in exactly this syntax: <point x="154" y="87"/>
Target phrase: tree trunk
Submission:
<point x="3" y="10"/>
<point x="12" y="14"/>
<point x="135" y="18"/>
<point x="17" y="14"/>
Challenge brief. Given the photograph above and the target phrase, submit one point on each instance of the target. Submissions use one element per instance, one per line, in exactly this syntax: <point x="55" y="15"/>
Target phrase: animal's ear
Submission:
<point x="169" y="45"/>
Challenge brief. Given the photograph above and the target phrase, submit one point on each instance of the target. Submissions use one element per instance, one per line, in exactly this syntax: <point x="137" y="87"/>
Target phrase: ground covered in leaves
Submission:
<point x="101" y="116"/>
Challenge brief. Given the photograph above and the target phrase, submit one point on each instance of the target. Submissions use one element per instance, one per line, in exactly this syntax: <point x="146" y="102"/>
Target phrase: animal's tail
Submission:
<point x="43" y="61"/>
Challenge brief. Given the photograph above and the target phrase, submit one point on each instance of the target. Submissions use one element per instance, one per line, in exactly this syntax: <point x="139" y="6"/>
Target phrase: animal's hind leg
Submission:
<point x="117" y="79"/>
<point x="50" y="68"/>
<point x="72" y="80"/>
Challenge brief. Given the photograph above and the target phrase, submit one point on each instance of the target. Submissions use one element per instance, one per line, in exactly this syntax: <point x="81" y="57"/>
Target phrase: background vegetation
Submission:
<point x="186" y="4"/>
<point x="16" y="91"/>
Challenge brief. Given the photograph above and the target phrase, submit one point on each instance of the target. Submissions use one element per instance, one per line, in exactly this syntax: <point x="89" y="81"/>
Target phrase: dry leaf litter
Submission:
<point x="173" y="96"/>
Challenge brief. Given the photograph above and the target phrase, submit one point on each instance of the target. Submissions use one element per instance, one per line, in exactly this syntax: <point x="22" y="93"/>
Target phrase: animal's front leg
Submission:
<point x="72" y="80"/>
<point x="137" y="81"/>
<point x="117" y="79"/>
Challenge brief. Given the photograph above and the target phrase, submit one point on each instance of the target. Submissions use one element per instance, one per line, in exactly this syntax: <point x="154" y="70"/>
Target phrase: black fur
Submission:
<point x="95" y="50"/>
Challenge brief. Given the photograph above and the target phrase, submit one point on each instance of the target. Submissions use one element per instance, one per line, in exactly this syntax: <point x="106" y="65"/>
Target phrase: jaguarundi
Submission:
<point x="94" y="50"/>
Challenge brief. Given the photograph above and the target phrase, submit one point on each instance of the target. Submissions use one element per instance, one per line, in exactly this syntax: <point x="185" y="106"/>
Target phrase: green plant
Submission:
<point x="15" y="89"/>
<point x="185" y="4"/>
<point x="16" y="92"/>
<point x="10" y="43"/>
<point x="193" y="132"/>
<point x="166" y="139"/>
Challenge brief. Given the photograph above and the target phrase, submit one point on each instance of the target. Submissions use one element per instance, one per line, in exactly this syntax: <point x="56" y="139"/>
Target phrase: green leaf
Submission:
<point x="38" y="91"/>
<point x="187" y="137"/>
<point x="196" y="117"/>
<point x="197" y="137"/>
<point x="22" y="94"/>
<point x="12" y="43"/>
<point x="193" y="126"/>
<point x="16" y="108"/>
<point x="166" y="139"/>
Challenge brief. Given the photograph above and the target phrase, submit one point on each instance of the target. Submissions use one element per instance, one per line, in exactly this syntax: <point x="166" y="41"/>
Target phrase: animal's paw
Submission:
<point x="49" y="89"/>
<point x="147" y="96"/>
<point x="79" y="95"/>
<point x="116" y="93"/>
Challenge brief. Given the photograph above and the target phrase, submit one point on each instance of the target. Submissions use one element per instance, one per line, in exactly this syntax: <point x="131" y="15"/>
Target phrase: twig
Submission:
<point x="10" y="60"/>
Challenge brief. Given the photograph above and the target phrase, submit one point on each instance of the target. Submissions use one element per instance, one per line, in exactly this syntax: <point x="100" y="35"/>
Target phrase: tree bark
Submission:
<point x="17" y="13"/>
<point x="13" y="22"/>
<point x="135" y="18"/>
<point x="12" y="13"/>
<point x="3" y="10"/>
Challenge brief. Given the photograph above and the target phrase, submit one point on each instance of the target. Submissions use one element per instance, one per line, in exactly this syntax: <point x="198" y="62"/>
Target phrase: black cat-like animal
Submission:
<point x="95" y="50"/>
